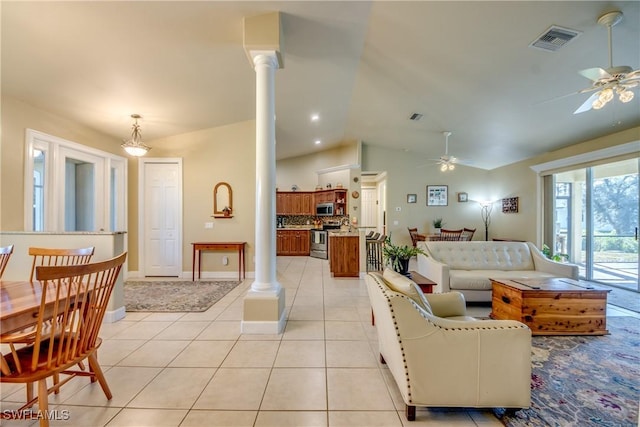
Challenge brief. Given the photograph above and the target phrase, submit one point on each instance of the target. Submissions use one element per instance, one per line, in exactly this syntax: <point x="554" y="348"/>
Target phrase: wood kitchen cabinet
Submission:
<point x="344" y="258"/>
<point x="295" y="203"/>
<point x="304" y="202"/>
<point x="292" y="242"/>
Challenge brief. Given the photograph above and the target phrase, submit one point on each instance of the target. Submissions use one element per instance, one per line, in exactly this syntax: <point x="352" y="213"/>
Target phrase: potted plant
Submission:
<point x="437" y="224"/>
<point x="558" y="257"/>
<point x="397" y="257"/>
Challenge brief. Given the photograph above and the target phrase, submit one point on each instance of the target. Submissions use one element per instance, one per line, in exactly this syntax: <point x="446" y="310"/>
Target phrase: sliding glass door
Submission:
<point x="596" y="221"/>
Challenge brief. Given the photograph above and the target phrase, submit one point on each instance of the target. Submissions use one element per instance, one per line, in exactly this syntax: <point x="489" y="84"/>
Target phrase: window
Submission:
<point x="74" y="187"/>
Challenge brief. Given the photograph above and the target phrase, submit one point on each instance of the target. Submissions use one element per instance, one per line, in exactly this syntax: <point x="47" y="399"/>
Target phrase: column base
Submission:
<point x="264" y="312"/>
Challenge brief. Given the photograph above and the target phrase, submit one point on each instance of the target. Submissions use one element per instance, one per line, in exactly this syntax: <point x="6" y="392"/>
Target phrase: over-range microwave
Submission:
<point x="324" y="209"/>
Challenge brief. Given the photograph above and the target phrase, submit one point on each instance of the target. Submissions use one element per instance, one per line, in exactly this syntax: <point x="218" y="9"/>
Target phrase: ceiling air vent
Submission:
<point x="554" y="38"/>
<point x="415" y="116"/>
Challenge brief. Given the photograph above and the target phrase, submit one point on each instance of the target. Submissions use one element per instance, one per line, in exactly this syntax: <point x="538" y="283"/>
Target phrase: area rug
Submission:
<point x="584" y="380"/>
<point x="174" y="296"/>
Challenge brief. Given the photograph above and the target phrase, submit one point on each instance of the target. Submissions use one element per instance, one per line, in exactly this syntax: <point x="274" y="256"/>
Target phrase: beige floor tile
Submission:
<point x="301" y="354"/>
<point x="173" y="388"/>
<point x="203" y="354"/>
<point x="124" y="382"/>
<point x="252" y="354"/>
<point x="350" y="354"/>
<point x="154" y="353"/>
<point x="182" y="331"/>
<point x="200" y="418"/>
<point x="81" y="416"/>
<point x="306" y="312"/>
<point x="142" y="331"/>
<point x="148" y="417"/>
<point x="234" y="389"/>
<point x="113" y="351"/>
<point x="296" y="389"/>
<point x="364" y="418"/>
<point x="304" y="330"/>
<point x="339" y="330"/>
<point x="221" y="330"/>
<point x="342" y="313"/>
<point x="346" y="385"/>
<point x="291" y="419"/>
<point x="12" y="393"/>
<point x="439" y="417"/>
<point x="164" y="317"/>
<point x="108" y="330"/>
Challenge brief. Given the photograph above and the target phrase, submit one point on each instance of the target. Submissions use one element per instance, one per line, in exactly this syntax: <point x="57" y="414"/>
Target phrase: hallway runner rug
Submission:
<point x="174" y="296"/>
<point x="581" y="381"/>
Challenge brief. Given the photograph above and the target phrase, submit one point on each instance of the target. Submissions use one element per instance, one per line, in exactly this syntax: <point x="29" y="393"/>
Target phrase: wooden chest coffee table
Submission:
<point x="551" y="306"/>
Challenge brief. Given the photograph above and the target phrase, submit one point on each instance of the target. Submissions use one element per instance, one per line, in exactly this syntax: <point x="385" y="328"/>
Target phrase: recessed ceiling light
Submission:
<point x="317" y="141"/>
<point x="315" y="117"/>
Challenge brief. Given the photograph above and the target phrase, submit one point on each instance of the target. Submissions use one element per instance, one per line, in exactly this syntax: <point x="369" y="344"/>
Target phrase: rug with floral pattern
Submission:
<point x="585" y="380"/>
<point x="174" y="296"/>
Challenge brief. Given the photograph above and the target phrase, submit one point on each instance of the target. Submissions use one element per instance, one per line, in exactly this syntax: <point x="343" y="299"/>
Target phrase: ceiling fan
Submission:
<point x="447" y="162"/>
<point x="618" y="80"/>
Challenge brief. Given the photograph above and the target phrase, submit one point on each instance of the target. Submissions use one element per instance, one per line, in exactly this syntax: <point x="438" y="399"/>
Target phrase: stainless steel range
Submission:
<point x="319" y="245"/>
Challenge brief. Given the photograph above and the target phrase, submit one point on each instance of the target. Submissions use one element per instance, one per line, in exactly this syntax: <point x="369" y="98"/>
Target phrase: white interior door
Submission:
<point x="369" y="206"/>
<point x="161" y="217"/>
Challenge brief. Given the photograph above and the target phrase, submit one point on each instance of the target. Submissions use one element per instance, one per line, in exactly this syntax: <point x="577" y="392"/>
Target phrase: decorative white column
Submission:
<point x="266" y="64"/>
<point x="264" y="304"/>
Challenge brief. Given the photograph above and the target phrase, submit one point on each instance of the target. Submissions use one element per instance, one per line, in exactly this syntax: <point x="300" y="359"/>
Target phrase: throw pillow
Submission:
<point x="403" y="285"/>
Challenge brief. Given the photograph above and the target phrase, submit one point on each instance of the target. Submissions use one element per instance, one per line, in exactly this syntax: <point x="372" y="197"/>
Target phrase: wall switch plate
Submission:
<point x="395" y="222"/>
<point x="398" y="208"/>
<point x="225" y="260"/>
<point x="208" y="225"/>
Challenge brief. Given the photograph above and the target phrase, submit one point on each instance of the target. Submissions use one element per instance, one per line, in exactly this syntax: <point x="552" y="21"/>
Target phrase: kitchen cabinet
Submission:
<point x="304" y="202"/>
<point x="344" y="258"/>
<point x="340" y="202"/>
<point x="295" y="203"/>
<point x="292" y="242"/>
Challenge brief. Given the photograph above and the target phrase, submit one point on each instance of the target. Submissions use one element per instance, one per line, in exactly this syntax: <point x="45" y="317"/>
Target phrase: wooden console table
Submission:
<point x="198" y="247"/>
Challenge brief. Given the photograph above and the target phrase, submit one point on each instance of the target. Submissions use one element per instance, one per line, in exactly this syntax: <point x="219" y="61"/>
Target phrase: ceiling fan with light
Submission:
<point x="447" y="162"/>
<point x="612" y="81"/>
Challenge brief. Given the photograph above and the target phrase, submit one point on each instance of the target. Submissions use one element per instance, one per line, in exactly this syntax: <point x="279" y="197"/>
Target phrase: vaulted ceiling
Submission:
<point x="364" y="67"/>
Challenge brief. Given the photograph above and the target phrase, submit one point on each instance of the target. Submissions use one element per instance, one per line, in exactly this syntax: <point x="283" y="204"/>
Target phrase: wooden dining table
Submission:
<point x="20" y="302"/>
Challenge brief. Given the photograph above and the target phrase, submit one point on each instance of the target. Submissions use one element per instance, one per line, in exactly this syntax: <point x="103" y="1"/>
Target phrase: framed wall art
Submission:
<point x="412" y="198"/>
<point x="463" y="197"/>
<point x="437" y="195"/>
<point x="510" y="205"/>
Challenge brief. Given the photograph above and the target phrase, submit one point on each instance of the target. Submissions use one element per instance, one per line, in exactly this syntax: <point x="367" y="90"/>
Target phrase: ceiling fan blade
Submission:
<point x="586" y="106"/>
<point x="595" y="74"/>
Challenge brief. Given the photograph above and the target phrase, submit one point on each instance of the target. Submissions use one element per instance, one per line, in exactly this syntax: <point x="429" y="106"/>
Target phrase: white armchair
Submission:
<point x="440" y="357"/>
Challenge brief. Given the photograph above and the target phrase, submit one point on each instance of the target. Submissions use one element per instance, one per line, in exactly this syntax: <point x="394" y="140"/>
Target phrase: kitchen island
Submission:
<point x="344" y="253"/>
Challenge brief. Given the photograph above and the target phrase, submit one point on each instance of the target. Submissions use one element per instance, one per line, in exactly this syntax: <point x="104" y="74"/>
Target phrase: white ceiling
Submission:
<point x="365" y="67"/>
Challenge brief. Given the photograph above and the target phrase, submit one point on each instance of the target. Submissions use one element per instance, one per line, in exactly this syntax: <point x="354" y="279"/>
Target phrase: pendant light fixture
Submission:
<point x="135" y="146"/>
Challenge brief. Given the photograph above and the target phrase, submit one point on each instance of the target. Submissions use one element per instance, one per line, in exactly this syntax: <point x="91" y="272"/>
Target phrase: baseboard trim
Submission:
<point x="264" y="327"/>
<point x="113" y="316"/>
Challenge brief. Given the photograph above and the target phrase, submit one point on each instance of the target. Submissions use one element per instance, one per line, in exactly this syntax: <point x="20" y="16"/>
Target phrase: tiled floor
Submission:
<point x="196" y="369"/>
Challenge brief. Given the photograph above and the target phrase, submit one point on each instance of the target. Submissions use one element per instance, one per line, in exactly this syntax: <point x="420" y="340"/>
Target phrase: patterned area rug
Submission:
<point x="174" y="296"/>
<point x="585" y="380"/>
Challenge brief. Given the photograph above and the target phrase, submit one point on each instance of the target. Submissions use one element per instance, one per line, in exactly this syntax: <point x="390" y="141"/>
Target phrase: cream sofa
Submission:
<point x="440" y="357"/>
<point x="467" y="266"/>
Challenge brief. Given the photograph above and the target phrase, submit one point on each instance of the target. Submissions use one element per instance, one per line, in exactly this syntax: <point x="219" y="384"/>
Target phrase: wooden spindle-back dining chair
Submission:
<point x="57" y="257"/>
<point x="415" y="236"/>
<point x="48" y="257"/>
<point x="450" y="235"/>
<point x="467" y="234"/>
<point x="74" y="300"/>
<point x="5" y="254"/>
